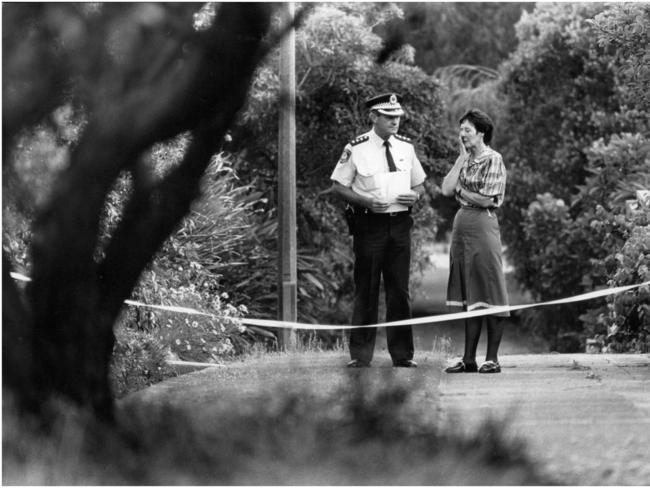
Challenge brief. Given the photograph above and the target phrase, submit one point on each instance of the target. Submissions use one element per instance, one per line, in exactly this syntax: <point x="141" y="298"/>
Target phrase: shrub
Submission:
<point x="139" y="360"/>
<point x="187" y="272"/>
<point x="560" y="88"/>
<point x="228" y="242"/>
<point x="575" y="130"/>
<point x="218" y="247"/>
<point x="627" y="321"/>
<point x="573" y="247"/>
<point x="622" y="29"/>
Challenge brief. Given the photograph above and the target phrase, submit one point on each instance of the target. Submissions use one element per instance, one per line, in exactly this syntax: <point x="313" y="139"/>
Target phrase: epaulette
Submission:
<point x="403" y="138"/>
<point x="359" y="140"/>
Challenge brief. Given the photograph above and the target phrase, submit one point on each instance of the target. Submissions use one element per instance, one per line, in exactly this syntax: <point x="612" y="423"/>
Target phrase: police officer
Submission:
<point x="381" y="226"/>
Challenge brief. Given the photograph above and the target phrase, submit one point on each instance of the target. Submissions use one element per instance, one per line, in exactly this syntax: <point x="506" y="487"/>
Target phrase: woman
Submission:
<point x="476" y="279"/>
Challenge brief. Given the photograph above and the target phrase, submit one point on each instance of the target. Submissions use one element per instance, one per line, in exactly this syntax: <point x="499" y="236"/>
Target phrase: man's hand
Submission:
<point x="408" y="199"/>
<point x="378" y="206"/>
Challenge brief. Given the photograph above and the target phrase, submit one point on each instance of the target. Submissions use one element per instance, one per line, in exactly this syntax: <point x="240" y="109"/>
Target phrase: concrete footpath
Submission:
<point x="585" y="417"/>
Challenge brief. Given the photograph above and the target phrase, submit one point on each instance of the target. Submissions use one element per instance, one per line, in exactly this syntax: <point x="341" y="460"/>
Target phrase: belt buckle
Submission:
<point x="393" y="214"/>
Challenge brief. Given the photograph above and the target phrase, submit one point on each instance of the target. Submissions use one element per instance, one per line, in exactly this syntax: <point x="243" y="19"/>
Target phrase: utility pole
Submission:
<point x="287" y="246"/>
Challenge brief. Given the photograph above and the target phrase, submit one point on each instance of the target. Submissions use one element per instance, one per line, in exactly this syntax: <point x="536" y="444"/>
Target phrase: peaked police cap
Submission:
<point x="386" y="103"/>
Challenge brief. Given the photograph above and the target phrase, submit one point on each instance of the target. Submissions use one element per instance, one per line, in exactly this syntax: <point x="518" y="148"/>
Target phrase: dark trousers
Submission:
<point x="382" y="247"/>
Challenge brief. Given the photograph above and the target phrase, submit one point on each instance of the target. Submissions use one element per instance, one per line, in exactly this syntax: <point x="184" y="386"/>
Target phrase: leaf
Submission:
<point x="314" y="281"/>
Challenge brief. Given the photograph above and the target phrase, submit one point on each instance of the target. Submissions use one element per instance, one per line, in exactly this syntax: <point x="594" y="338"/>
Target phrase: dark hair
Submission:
<point x="481" y="121"/>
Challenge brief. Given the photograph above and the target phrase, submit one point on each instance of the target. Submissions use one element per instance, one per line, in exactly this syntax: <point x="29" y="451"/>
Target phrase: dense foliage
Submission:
<point x="467" y="33"/>
<point x="336" y="71"/>
<point x="574" y="133"/>
<point x="626" y="325"/>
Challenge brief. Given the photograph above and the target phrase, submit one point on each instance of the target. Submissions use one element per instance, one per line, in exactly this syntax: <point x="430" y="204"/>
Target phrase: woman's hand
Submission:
<point x="462" y="148"/>
<point x="450" y="181"/>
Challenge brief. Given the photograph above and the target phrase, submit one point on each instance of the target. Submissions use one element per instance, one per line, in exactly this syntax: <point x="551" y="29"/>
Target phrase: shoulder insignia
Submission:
<point x="403" y="138"/>
<point x="359" y="140"/>
<point x="345" y="156"/>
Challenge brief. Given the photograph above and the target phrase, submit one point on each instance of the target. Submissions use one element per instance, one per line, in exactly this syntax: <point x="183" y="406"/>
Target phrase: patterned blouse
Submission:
<point x="485" y="175"/>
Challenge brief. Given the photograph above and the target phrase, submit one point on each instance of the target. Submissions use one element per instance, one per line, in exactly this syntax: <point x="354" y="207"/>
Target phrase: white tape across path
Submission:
<point x="418" y="321"/>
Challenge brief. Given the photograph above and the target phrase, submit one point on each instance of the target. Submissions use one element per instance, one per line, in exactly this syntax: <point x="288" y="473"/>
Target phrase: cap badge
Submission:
<point x="393" y="98"/>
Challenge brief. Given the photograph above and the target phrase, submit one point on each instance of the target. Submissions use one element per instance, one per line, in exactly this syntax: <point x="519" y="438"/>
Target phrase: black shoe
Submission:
<point x="407" y="363"/>
<point x="462" y="367"/>
<point x="357" y="363"/>
<point x="490" y="367"/>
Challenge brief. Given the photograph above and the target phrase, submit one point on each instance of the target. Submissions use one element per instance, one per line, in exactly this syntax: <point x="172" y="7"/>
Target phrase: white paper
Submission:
<point x="393" y="184"/>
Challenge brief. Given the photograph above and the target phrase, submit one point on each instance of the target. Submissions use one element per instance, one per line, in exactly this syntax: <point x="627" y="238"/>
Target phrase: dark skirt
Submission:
<point x="476" y="278"/>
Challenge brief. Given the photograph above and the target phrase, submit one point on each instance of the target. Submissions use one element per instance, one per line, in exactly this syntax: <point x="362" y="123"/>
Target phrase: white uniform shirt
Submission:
<point x="365" y="157"/>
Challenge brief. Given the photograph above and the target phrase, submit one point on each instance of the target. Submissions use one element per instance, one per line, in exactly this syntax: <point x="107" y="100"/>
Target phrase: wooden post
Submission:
<point x="287" y="273"/>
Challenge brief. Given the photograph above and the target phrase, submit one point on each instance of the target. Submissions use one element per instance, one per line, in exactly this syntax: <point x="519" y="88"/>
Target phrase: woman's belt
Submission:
<point x="476" y="207"/>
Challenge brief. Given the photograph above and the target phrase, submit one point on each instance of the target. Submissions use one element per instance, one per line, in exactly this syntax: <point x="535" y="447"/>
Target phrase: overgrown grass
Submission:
<point x="372" y="429"/>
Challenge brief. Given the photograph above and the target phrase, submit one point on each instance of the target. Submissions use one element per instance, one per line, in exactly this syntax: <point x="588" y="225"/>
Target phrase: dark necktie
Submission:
<point x="389" y="157"/>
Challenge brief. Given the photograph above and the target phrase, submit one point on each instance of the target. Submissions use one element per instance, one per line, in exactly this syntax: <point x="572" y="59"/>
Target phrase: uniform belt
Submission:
<point x="366" y="211"/>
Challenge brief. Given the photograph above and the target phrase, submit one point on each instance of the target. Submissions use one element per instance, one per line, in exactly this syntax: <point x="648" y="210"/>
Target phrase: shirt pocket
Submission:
<point x="403" y="164"/>
<point x="366" y="177"/>
<point x="473" y="179"/>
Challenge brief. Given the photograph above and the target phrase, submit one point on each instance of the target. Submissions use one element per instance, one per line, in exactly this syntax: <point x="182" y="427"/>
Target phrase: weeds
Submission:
<point x="138" y="361"/>
<point x="576" y="366"/>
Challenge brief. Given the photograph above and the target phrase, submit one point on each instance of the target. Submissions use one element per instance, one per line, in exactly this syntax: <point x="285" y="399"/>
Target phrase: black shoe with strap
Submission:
<point x="462" y="367"/>
<point x="490" y="367"/>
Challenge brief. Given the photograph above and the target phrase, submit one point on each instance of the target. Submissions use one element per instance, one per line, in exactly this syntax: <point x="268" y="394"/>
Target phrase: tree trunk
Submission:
<point x="74" y="298"/>
<point x="16" y="335"/>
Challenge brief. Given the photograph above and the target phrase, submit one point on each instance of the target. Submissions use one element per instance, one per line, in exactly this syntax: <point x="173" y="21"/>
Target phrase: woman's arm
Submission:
<point x="494" y="180"/>
<point x="478" y="199"/>
<point x="492" y="186"/>
<point x="451" y="180"/>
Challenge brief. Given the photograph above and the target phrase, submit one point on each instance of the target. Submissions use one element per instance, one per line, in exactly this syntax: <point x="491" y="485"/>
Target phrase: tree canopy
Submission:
<point x="467" y="33"/>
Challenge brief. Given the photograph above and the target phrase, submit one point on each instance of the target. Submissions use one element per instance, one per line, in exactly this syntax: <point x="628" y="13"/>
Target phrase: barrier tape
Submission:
<point x="450" y="316"/>
<point x="431" y="319"/>
<point x="19" y="277"/>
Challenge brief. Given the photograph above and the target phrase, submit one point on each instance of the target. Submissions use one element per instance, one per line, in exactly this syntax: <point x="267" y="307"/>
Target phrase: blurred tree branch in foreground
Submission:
<point x="141" y="73"/>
